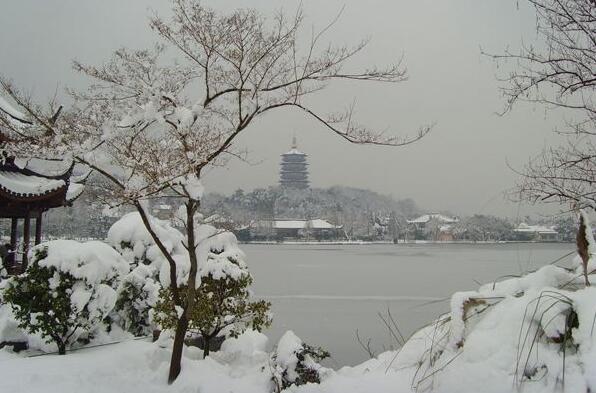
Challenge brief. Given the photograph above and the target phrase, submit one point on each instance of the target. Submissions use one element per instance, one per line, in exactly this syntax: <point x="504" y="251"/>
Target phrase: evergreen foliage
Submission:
<point x="221" y="306"/>
<point x="55" y="304"/>
<point x="137" y="295"/>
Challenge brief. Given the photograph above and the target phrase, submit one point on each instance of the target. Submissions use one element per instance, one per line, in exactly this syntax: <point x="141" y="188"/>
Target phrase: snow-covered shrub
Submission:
<point x="132" y="240"/>
<point x="66" y="291"/>
<point x="222" y="304"/>
<point x="139" y="290"/>
<point x="296" y="363"/>
<point x="137" y="295"/>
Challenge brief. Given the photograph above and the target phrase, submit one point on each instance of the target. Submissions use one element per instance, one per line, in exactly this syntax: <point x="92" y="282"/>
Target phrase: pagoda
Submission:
<point x="293" y="169"/>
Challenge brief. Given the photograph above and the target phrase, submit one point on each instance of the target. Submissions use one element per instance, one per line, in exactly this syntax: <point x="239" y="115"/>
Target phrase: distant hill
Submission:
<point x="358" y="210"/>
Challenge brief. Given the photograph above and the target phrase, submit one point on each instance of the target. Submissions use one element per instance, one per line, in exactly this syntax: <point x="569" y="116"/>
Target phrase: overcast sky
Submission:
<point x="461" y="166"/>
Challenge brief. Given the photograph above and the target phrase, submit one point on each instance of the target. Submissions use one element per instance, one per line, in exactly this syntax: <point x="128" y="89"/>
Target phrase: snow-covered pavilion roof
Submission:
<point x="45" y="167"/>
<point x="74" y="191"/>
<point x="21" y="185"/>
<point x="46" y="182"/>
<point x="31" y="185"/>
<point x="11" y="111"/>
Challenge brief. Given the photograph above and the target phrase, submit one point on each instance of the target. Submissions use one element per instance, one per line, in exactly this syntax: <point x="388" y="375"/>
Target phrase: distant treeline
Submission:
<point x="363" y="215"/>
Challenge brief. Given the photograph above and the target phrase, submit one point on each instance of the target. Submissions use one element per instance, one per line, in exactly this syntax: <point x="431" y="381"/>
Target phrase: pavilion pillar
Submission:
<point x="13" y="240"/>
<point x="38" y="229"/>
<point x="26" y="238"/>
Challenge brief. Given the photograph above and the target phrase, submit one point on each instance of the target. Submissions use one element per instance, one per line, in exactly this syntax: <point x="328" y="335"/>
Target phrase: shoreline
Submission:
<point x="401" y="242"/>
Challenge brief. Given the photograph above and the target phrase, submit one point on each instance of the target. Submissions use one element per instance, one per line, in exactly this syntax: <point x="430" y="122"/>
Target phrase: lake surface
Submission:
<point x="324" y="293"/>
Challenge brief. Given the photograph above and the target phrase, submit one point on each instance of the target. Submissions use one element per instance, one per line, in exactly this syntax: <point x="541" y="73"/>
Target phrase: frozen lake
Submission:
<point x="325" y="292"/>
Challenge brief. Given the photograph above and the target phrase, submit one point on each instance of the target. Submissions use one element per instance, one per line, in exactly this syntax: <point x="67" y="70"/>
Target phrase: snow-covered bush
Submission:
<point x="66" y="291"/>
<point x="222" y="304"/>
<point x="296" y="363"/>
<point x="130" y="238"/>
<point x="137" y="295"/>
<point x="139" y="290"/>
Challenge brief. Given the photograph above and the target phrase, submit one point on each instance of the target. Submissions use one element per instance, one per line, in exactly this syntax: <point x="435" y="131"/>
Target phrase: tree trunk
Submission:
<point x="61" y="348"/>
<point x="176" y="359"/>
<point x="206" y="343"/>
<point x="181" y="328"/>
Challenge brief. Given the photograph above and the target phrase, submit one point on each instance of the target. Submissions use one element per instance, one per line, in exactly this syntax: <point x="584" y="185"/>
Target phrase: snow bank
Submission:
<point x="533" y="333"/>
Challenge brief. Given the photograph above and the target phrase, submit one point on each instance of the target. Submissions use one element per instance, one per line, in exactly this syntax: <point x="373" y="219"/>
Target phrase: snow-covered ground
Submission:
<point x="532" y="334"/>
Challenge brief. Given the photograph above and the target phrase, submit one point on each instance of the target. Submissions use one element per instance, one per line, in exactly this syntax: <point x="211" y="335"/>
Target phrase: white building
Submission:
<point x="297" y="229"/>
<point x="436" y="226"/>
<point x="536" y="232"/>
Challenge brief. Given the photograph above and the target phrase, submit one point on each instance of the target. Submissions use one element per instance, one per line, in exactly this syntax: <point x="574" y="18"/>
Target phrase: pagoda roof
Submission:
<point x="294" y="152"/>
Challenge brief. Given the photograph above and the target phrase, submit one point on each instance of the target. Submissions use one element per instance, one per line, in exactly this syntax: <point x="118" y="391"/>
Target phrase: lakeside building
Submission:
<point x="541" y="233"/>
<point x="434" y="226"/>
<point x="294" y="168"/>
<point x="315" y="229"/>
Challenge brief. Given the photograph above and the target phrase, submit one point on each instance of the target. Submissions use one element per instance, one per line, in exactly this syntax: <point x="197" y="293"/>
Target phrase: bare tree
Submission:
<point x="564" y="175"/>
<point x="151" y="127"/>
<point x="560" y="73"/>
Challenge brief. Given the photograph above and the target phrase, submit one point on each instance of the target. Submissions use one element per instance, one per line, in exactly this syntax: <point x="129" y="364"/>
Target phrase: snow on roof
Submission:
<point x="17" y="183"/>
<point x="43" y="167"/>
<point x="80" y="173"/>
<point x="294" y="152"/>
<point x="433" y="216"/>
<point x="525" y="228"/>
<point x="303" y="224"/>
<point x="10" y="110"/>
<point x="74" y="191"/>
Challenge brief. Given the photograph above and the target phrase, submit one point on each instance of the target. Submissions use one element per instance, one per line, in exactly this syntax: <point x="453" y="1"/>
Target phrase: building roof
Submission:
<point x="294" y="151"/>
<point x="525" y="228"/>
<point x="11" y="111"/>
<point x="20" y="185"/>
<point x="45" y="167"/>
<point x="434" y="216"/>
<point x="33" y="184"/>
<point x="36" y="184"/>
<point x="304" y="224"/>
